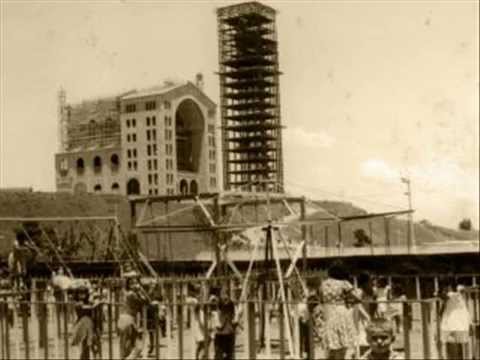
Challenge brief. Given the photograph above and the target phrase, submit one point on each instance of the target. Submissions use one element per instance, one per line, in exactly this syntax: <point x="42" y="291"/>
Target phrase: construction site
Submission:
<point x="140" y="212"/>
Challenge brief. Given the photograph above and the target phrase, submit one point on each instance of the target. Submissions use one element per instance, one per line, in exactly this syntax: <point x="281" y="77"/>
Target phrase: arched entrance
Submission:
<point x="133" y="187"/>
<point x="189" y="128"/>
<point x="183" y="187"/>
<point x="193" y="187"/>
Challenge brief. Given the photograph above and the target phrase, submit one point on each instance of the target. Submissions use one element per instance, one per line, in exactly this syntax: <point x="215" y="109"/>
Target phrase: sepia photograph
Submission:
<point x="228" y="179"/>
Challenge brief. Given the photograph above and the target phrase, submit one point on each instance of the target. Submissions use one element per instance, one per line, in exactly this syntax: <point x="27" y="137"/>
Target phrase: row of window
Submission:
<point x="168" y="134"/>
<point x="115" y="187"/>
<point x="169" y="179"/>
<point x="132" y="165"/>
<point x="131" y="137"/>
<point x="152" y="149"/>
<point x="97" y="164"/>
<point x="149" y="105"/>
<point x="152" y="135"/>
<point x="169" y="164"/>
<point x="152" y="164"/>
<point x="168" y="149"/>
<point x="153" y="191"/>
<point x="168" y="121"/>
<point x="151" y="121"/>
<point x="153" y="178"/>
<point x="131" y="153"/>
<point x="131" y="122"/>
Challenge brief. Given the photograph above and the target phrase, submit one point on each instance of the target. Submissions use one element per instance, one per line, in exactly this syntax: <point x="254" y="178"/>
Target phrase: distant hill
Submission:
<point x="186" y="245"/>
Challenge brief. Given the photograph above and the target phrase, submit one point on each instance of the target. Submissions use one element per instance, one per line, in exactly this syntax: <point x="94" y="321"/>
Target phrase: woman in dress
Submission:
<point x="339" y="328"/>
<point x="455" y="323"/>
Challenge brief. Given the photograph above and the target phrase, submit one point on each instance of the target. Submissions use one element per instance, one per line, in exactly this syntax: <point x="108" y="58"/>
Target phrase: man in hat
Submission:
<point x="380" y="336"/>
<point x="134" y="300"/>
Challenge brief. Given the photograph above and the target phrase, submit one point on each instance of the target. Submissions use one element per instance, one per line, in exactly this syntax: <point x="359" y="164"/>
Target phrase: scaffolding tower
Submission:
<point x="250" y="97"/>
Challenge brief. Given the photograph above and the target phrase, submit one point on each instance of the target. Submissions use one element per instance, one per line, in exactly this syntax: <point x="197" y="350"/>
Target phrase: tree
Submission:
<point x="362" y="238"/>
<point x="465" y="224"/>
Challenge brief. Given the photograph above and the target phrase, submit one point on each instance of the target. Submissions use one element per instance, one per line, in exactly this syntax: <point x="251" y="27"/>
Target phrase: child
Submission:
<point x="380" y="337"/>
<point x="396" y="308"/>
<point x="383" y="295"/>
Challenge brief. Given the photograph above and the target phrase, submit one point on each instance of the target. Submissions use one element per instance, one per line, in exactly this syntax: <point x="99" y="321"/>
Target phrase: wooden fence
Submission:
<point x="42" y="327"/>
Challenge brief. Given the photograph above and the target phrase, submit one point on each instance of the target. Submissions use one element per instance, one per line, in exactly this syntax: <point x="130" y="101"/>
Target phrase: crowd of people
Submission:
<point x="352" y="321"/>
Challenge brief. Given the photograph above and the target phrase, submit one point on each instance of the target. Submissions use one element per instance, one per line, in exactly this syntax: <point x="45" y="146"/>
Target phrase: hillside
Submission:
<point x="186" y="245"/>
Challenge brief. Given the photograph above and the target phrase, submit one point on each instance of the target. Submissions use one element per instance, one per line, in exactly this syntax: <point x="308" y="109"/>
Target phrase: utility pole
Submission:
<point x="411" y="230"/>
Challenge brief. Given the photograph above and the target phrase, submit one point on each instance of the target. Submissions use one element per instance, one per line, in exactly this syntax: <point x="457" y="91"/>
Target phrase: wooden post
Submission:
<point x="406" y="329"/>
<point x="326" y="239"/>
<point x="304" y="235"/>
<point x="418" y="291"/>
<point x="26" y="333"/>
<point x="387" y="234"/>
<point x="252" y="339"/>
<point x="268" y="338"/>
<point x="65" y="331"/>
<point x="311" y="338"/>
<point x="340" y="242"/>
<point x="281" y="328"/>
<point x="426" y="319"/>
<point x="438" y="332"/>
<point x="110" y="330"/>
<point x="179" y="311"/>
<point x="370" y="230"/>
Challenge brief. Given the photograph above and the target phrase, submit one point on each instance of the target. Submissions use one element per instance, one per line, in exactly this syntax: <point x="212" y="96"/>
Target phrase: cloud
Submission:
<point x="379" y="169"/>
<point x="301" y="137"/>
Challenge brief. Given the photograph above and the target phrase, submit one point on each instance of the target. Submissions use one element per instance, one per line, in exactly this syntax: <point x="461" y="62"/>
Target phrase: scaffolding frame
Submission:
<point x="250" y="97"/>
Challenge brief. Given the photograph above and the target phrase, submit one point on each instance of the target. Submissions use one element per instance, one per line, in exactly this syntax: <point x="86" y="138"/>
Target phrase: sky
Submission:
<point x="371" y="90"/>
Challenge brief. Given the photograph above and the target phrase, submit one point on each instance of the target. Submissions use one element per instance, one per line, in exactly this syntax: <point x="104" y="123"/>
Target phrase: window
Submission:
<point x="148" y="121"/>
<point x="128" y="137"/>
<point x="148" y="135"/>
<point x="130" y="108"/>
<point x="149" y="150"/>
<point x="212" y="168"/>
<point x="155" y="179"/>
<point x="129" y="165"/>
<point x="213" y="182"/>
<point x="134" y="165"/>
<point x="154" y="149"/>
<point x="167" y="105"/>
<point x="97" y="164"/>
<point x="156" y="191"/>
<point x="149" y="179"/>
<point x="154" y="121"/>
<point x="97" y="188"/>
<point x="134" y="153"/>
<point x="149" y="164"/>
<point x="134" y="137"/>
<point x="155" y="164"/>
<point x="150" y="105"/>
<point x="154" y="134"/>
<point x="115" y="187"/>
<point x="64" y="165"/>
<point x="134" y="122"/>
<point x="129" y="153"/>
<point x="114" y="161"/>
<point x="128" y="123"/>
<point x="149" y="191"/>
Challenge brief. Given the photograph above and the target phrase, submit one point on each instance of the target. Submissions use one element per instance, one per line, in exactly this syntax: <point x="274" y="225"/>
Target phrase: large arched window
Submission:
<point x="184" y="187"/>
<point x="189" y="128"/>
<point x="133" y="187"/>
<point x="193" y="187"/>
<point x="80" y="166"/>
<point x="97" y="164"/>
